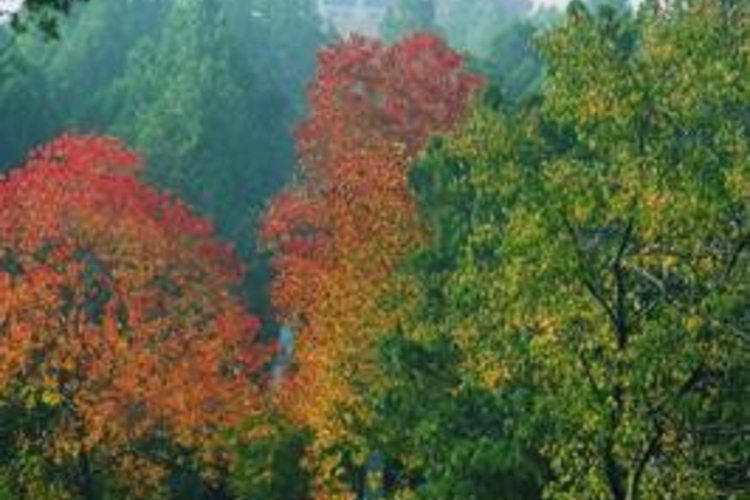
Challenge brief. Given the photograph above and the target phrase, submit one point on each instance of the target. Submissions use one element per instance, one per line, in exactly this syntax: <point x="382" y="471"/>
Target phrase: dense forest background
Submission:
<point x="497" y="252"/>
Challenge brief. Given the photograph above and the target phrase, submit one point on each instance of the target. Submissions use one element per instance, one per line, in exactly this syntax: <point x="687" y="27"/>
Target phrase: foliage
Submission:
<point x="270" y="458"/>
<point x="162" y="105"/>
<point x="594" y="252"/>
<point x="652" y="226"/>
<point x="281" y="40"/>
<point x="514" y="61"/>
<point x="119" y="327"/>
<point x="441" y="437"/>
<point x="340" y="232"/>
<point x="65" y="79"/>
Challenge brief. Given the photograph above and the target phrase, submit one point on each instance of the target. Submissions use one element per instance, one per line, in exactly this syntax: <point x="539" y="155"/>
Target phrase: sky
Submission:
<point x="9" y="4"/>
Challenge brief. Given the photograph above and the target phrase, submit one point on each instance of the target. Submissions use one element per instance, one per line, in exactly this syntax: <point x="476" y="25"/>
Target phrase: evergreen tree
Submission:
<point x="190" y="100"/>
<point x="91" y="53"/>
<point x="27" y="114"/>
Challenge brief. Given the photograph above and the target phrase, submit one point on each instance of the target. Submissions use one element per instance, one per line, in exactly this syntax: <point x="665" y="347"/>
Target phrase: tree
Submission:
<point x="360" y="100"/>
<point x="121" y="338"/>
<point x="91" y="54"/>
<point x="49" y="86"/>
<point x="439" y="435"/>
<point x="447" y="418"/>
<point x="161" y="104"/>
<point x="514" y="61"/>
<point x="594" y="250"/>
<point x="281" y="39"/>
<point x="194" y="109"/>
<point x="339" y="234"/>
<point x="647" y="211"/>
<point x="205" y="90"/>
<point x="270" y="464"/>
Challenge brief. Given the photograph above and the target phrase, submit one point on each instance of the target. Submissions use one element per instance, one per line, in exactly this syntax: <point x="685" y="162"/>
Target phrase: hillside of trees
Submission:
<point x="500" y="252"/>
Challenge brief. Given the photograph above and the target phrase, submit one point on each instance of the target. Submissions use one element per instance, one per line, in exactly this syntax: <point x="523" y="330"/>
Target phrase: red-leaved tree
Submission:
<point x="118" y="320"/>
<point x="339" y="233"/>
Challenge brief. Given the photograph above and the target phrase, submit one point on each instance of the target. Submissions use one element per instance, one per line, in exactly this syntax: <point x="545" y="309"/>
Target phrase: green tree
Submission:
<point x="190" y="98"/>
<point x="269" y="465"/>
<point x="514" y="61"/>
<point x="92" y="53"/>
<point x="281" y="39"/>
<point x="592" y="255"/>
<point x="439" y="435"/>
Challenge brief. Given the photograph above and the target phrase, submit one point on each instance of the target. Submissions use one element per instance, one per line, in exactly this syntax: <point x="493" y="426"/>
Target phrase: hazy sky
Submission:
<point x="8" y="4"/>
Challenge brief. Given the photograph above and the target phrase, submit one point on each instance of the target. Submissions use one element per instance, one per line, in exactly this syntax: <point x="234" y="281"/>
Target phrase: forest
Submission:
<point x="489" y="250"/>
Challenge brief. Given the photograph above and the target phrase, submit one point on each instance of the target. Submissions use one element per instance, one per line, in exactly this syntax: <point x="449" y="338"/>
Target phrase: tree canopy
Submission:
<point x="118" y="319"/>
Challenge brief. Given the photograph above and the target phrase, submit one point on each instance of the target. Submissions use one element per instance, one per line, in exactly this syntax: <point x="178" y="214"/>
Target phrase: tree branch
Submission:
<point x="621" y="313"/>
<point x="735" y="258"/>
<point x="592" y="289"/>
<point x="614" y="474"/>
<point x="651" y="449"/>
<point x="695" y="377"/>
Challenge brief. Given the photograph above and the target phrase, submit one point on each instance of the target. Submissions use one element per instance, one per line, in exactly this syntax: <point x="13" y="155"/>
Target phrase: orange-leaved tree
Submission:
<point x="339" y="233"/>
<point x="118" y="321"/>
